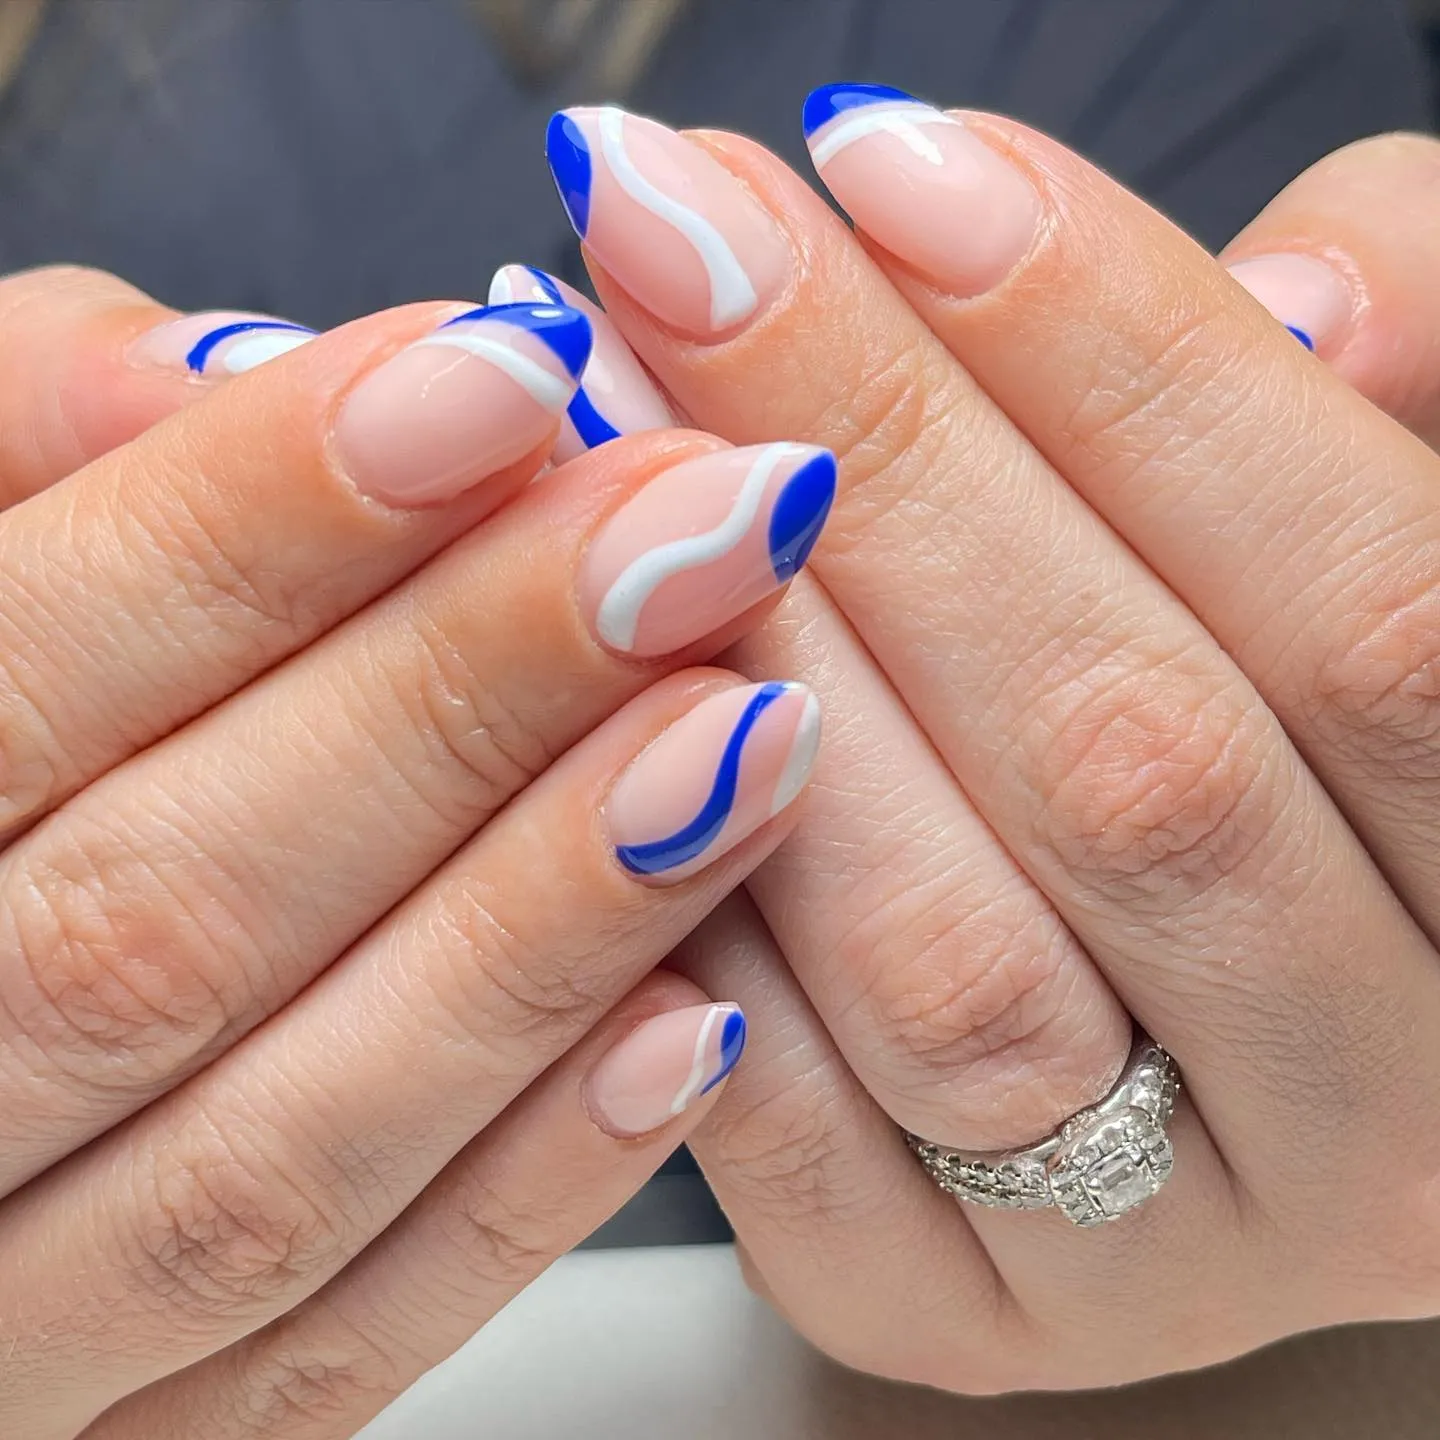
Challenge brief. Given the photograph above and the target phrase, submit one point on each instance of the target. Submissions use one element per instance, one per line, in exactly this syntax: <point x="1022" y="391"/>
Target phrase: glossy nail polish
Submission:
<point x="922" y="184"/>
<point x="1307" y="296"/>
<point x="663" y="1067"/>
<point x="218" y="342"/>
<point x="670" y="223"/>
<point x="462" y="403"/>
<point x="713" y="779"/>
<point x="616" y="397"/>
<point x="702" y="542"/>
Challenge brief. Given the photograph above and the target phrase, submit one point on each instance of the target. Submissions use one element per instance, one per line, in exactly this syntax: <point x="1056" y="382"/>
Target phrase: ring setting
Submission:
<point x="1099" y="1165"/>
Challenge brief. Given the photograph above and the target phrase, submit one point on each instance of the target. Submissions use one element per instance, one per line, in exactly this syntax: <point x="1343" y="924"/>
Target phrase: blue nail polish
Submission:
<point x="824" y="104"/>
<point x="568" y="155"/>
<point x="564" y="331"/>
<point x="732" y="1046"/>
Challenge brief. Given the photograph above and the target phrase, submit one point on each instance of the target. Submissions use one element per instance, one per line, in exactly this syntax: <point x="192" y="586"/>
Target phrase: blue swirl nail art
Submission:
<point x="564" y="331"/>
<point x="590" y="425"/>
<point x="658" y="855"/>
<point x="824" y="104"/>
<point x="799" y="515"/>
<point x="1302" y="337"/>
<point x="732" y="1045"/>
<point x="568" y="154"/>
<point x="203" y="348"/>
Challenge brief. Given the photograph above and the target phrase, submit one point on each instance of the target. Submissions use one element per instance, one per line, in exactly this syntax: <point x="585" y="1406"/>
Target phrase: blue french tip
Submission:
<point x="566" y="331"/>
<point x="1302" y="337"/>
<point x="200" y="353"/>
<point x="568" y="155"/>
<point x="799" y="515"/>
<point x="824" y="104"/>
<point x="732" y="1046"/>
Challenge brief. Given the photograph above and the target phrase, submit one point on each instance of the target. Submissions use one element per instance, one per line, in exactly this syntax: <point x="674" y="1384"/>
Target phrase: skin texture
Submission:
<point x="287" y="806"/>
<point x="919" y="936"/>
<point x="1123" y="625"/>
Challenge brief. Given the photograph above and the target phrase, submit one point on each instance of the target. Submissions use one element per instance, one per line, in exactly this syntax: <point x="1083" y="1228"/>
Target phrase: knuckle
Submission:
<point x="1376" y="691"/>
<point x="895" y="424"/>
<point x="470" y="728"/>
<point x="192" y="531"/>
<point x="986" y="1003"/>
<point x="116" y="965"/>
<point x="501" y="988"/>
<point x="296" y="1385"/>
<point x="1157" y="784"/>
<point x="218" y="1235"/>
<point x="505" y="1246"/>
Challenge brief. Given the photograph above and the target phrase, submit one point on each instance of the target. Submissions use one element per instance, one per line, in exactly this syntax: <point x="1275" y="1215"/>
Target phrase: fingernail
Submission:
<point x="666" y="219"/>
<point x="922" y="184"/>
<point x="463" y="403"/>
<point x="702" y="543"/>
<point x="661" y="1068"/>
<point x="714" y="778"/>
<point x="1307" y="296"/>
<point x="616" y="397"/>
<point x="218" y="342"/>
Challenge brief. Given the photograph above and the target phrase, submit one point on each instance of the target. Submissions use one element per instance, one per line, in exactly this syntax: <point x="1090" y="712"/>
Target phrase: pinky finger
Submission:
<point x="1345" y="257"/>
<point x="561" y="1160"/>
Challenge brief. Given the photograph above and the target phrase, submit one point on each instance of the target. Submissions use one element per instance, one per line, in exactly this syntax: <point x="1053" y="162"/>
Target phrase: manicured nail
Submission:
<point x="219" y="342"/>
<point x="1307" y="296"/>
<point x="616" y="397"/>
<point x="702" y="543"/>
<point x="714" y="778"/>
<point x="463" y="403"/>
<point x="922" y="184"/>
<point x="661" y="1068"/>
<point x="666" y="219"/>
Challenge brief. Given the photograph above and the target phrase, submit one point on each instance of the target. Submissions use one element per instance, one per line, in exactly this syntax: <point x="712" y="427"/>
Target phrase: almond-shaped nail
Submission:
<point x="218" y="342"/>
<point x="922" y="184"/>
<point x="713" y="778"/>
<point x="616" y="397"/>
<point x="462" y="403"/>
<point x="668" y="221"/>
<point x="1308" y="297"/>
<point x="663" y="1066"/>
<point x="702" y="542"/>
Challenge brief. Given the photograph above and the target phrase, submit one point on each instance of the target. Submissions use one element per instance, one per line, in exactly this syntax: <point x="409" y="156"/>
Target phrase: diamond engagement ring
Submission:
<point x="1098" y="1165"/>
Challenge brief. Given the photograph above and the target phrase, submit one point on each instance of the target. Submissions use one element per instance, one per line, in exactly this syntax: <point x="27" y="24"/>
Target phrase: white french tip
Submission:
<point x="803" y="752"/>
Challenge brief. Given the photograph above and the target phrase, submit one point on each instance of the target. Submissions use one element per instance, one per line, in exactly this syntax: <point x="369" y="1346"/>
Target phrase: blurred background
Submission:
<point x="322" y="158"/>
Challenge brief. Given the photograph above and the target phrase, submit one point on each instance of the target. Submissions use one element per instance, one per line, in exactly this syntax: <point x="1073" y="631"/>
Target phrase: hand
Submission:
<point x="340" y="847"/>
<point x="1126" y="629"/>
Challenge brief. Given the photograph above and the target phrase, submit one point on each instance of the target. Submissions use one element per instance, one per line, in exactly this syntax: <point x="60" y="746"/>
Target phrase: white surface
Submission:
<point x="640" y="1344"/>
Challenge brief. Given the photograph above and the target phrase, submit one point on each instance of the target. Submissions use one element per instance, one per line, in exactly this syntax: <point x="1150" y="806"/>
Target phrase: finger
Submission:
<point x="883" y="1271"/>
<point x="88" y="362"/>
<point x="952" y="988"/>
<point x="158" y="580"/>
<point x="1122" y="757"/>
<point x="1294" y="519"/>
<point x="189" y="894"/>
<point x="1345" y="256"/>
<point x="560" y="1160"/>
<point x="225" y="1205"/>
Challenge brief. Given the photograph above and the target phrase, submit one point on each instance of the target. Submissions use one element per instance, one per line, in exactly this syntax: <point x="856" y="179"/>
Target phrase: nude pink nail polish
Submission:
<point x="922" y="184"/>
<point x="713" y="778"/>
<point x="616" y="397"/>
<point x="702" y="542"/>
<point x="663" y="1066"/>
<point x="462" y="403"/>
<point x="1308" y="297"/>
<point x="218" y="343"/>
<point x="684" y="237"/>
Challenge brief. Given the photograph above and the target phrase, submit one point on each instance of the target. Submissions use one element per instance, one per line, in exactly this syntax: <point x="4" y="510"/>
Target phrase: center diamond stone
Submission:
<point x="1119" y="1182"/>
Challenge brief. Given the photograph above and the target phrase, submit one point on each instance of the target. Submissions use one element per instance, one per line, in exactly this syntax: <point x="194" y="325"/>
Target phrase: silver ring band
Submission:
<point x="1097" y="1166"/>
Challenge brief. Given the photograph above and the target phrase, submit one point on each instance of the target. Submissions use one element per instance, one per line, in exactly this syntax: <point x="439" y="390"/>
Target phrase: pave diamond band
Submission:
<point x="1098" y="1165"/>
